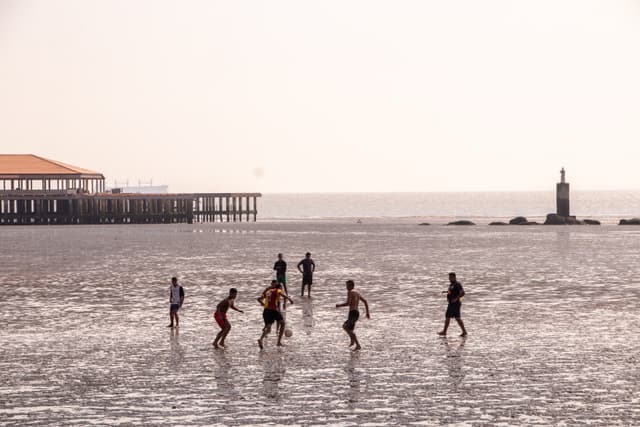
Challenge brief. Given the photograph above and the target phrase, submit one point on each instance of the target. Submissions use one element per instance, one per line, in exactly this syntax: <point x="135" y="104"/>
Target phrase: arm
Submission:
<point x="366" y="306"/>
<point x="313" y="266"/>
<point x="181" y="296"/>
<point x="287" y="297"/>
<point x="262" y="297"/>
<point x="344" y="304"/>
<point x="234" y="307"/>
<point x="299" y="269"/>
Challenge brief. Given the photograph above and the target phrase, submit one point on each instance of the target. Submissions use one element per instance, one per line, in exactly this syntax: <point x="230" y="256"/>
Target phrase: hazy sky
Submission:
<point x="288" y="96"/>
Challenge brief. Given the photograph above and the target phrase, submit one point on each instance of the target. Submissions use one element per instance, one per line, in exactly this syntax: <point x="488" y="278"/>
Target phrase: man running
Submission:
<point x="281" y="272"/>
<point x="176" y="298"/>
<point x="270" y="299"/>
<point x="221" y="317"/>
<point x="454" y="295"/>
<point x="353" y="299"/>
<point x="307" y="267"/>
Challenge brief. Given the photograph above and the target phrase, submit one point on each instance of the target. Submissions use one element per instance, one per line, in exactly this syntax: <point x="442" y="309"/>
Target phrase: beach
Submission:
<point x="551" y="313"/>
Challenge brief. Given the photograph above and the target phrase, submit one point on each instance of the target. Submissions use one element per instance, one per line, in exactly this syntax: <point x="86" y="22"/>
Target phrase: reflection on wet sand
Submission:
<point x="354" y="378"/>
<point x="307" y="315"/>
<point x="273" y="369"/>
<point x="454" y="360"/>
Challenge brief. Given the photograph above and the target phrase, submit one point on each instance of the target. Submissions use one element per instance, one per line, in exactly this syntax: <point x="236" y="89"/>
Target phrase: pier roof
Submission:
<point x="12" y="165"/>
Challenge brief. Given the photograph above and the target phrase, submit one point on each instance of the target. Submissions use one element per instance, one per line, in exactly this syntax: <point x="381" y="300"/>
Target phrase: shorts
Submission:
<point x="221" y="318"/>
<point x="281" y="279"/>
<point x="271" y="316"/>
<point x="174" y="307"/>
<point x="350" y="324"/>
<point x="453" y="310"/>
<point x="307" y="279"/>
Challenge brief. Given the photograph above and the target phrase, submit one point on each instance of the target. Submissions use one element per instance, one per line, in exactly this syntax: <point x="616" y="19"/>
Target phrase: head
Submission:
<point x="307" y="255"/>
<point x="350" y="284"/>
<point x="274" y="283"/>
<point x="174" y="281"/>
<point x="452" y="277"/>
<point x="279" y="257"/>
<point x="233" y="292"/>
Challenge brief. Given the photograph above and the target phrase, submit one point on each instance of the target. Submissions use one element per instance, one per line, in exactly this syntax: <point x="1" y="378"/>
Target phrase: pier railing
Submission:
<point x="63" y="207"/>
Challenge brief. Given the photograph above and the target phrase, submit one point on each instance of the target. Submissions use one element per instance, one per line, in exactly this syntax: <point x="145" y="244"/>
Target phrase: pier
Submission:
<point x="34" y="191"/>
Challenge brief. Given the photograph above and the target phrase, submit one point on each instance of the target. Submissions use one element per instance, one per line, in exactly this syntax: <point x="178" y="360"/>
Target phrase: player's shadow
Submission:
<point x="307" y="315"/>
<point x="454" y="360"/>
<point x="354" y="379"/>
<point x="273" y="368"/>
<point x="224" y="374"/>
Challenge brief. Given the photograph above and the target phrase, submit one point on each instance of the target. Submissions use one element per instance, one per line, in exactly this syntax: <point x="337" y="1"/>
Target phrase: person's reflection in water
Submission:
<point x="454" y="360"/>
<point x="353" y="376"/>
<point x="224" y="376"/>
<point x="274" y="368"/>
<point x="177" y="351"/>
<point x="307" y="316"/>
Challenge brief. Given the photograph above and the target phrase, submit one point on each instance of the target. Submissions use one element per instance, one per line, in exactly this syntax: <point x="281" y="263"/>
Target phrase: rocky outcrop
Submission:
<point x="632" y="221"/>
<point x="424" y="223"/>
<point x="591" y="222"/>
<point x="555" y="219"/>
<point x="498" y="223"/>
<point x="519" y="220"/>
<point x="461" y="222"/>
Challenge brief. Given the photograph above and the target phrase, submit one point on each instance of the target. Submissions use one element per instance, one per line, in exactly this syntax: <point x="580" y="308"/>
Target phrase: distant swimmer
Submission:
<point x="353" y="299"/>
<point x="176" y="298"/>
<point x="454" y="296"/>
<point x="270" y="299"/>
<point x="307" y="267"/>
<point x="221" y="317"/>
<point x="280" y="268"/>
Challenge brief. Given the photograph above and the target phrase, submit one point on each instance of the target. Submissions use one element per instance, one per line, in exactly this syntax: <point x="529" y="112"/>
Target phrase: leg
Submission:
<point x="280" y="332"/>
<point x="225" y="332"/>
<point x="348" y="331"/>
<point x="302" y="292"/>
<point x="215" y="342"/>
<point x="446" y="326"/>
<point x="309" y="290"/>
<point x="461" y="323"/>
<point x="265" y="332"/>
<point x="170" y="325"/>
<point x="175" y="314"/>
<point x="355" y="340"/>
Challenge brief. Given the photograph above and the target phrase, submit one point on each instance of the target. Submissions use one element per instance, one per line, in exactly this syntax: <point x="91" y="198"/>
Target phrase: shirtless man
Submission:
<point x="221" y="317"/>
<point x="270" y="299"/>
<point x="454" y="297"/>
<point x="353" y="299"/>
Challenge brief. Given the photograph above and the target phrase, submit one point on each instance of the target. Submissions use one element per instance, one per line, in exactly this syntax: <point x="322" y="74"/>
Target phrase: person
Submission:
<point x="454" y="296"/>
<point x="221" y="317"/>
<point x="176" y="298"/>
<point x="281" y="272"/>
<point x="270" y="299"/>
<point x="353" y="299"/>
<point x="307" y="267"/>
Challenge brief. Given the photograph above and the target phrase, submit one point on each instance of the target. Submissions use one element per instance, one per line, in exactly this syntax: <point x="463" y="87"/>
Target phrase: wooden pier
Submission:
<point x="70" y="207"/>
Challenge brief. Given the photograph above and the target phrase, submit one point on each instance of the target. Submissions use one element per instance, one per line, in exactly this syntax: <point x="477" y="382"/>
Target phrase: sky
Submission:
<point x="327" y="96"/>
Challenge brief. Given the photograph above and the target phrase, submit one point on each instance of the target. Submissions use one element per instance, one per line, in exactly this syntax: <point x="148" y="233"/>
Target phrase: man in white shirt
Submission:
<point x="176" y="298"/>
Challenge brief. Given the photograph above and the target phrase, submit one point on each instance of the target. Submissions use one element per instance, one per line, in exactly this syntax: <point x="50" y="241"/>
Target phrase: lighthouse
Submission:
<point x="562" y="196"/>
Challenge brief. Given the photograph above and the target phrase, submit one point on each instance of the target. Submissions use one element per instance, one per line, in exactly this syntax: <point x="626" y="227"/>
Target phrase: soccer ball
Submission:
<point x="288" y="333"/>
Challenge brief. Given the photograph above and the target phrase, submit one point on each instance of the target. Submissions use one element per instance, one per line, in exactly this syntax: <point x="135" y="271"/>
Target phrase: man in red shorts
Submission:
<point x="221" y="317"/>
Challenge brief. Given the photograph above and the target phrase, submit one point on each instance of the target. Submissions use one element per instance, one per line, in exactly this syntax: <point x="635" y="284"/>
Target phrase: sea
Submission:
<point x="552" y="314"/>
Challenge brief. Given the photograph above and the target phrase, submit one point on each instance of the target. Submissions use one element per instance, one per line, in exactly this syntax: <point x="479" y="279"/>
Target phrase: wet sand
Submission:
<point x="552" y="314"/>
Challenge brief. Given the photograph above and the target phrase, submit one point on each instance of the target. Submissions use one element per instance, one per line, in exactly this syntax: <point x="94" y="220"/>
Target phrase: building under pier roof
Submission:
<point x="27" y="172"/>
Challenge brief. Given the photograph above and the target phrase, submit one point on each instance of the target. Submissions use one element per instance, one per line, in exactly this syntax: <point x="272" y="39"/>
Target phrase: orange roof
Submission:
<point x="28" y="164"/>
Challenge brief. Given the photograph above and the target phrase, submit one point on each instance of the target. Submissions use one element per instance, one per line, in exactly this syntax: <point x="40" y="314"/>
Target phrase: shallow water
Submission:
<point x="552" y="314"/>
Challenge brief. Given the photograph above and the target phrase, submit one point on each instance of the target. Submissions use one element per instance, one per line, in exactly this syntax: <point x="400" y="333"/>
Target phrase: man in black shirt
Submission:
<point x="454" y="295"/>
<point x="307" y="267"/>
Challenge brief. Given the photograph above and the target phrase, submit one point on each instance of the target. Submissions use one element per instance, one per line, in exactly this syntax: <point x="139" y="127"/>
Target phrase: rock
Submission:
<point x="519" y="220"/>
<point x="591" y="222"/>
<point x="498" y="223"/>
<point x="555" y="219"/>
<point x="461" y="222"/>
<point x="424" y="223"/>
<point x="632" y="221"/>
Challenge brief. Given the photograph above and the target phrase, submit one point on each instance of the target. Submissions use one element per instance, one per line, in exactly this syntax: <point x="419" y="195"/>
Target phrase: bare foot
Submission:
<point x="215" y="344"/>
<point x="352" y="343"/>
<point x="221" y="344"/>
<point x="169" y="326"/>
<point x="260" y="344"/>
<point x="280" y="344"/>
<point x="356" y="348"/>
<point x="442" y="333"/>
<point x="464" y="334"/>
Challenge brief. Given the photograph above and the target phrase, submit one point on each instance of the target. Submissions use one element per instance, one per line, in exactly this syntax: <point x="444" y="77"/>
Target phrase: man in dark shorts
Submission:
<point x="454" y="296"/>
<point x="270" y="299"/>
<point x="307" y="267"/>
<point x="176" y="298"/>
<point x="221" y="317"/>
<point x="353" y="299"/>
<point x="281" y="272"/>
